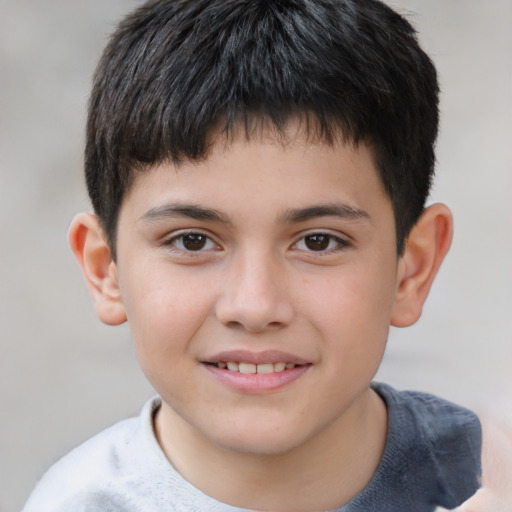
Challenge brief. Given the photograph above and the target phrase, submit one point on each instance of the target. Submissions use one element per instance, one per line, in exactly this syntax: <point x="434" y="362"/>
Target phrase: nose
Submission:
<point x="255" y="296"/>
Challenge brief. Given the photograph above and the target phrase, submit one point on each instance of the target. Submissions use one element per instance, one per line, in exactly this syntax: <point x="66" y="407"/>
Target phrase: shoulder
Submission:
<point x="435" y="418"/>
<point x="93" y="476"/>
<point x="436" y="443"/>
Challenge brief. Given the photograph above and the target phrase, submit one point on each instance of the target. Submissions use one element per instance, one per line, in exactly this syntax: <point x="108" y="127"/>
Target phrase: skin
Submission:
<point x="299" y="257"/>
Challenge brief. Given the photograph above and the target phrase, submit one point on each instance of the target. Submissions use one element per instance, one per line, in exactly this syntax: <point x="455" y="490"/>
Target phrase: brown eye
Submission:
<point x="322" y="243"/>
<point x="317" y="242"/>
<point x="194" y="241"/>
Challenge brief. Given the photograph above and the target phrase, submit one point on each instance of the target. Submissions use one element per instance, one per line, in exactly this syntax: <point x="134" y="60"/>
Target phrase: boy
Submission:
<point x="259" y="172"/>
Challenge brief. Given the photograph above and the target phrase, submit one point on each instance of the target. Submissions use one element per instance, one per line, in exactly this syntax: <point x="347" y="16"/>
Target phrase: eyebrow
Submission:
<point x="189" y="211"/>
<point x="340" y="210"/>
<point x="290" y="216"/>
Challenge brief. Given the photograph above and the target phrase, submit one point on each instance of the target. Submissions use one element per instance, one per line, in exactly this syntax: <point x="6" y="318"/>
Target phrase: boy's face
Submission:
<point x="265" y="255"/>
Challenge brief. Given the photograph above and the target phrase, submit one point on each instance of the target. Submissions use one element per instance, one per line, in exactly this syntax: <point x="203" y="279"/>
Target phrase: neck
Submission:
<point x="323" y="473"/>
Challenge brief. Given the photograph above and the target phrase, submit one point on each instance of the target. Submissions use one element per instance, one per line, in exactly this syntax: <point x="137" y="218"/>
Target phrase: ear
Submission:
<point x="92" y="252"/>
<point x="425" y="250"/>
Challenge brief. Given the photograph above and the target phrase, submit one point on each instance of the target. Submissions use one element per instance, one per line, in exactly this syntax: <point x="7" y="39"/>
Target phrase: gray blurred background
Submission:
<point x="64" y="376"/>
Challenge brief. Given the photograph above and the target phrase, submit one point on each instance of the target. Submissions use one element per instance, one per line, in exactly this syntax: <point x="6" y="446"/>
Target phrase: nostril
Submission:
<point x="253" y="327"/>
<point x="234" y="325"/>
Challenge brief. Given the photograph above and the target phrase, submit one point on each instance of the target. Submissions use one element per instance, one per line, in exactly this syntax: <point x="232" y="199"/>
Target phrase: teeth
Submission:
<point x="255" y="368"/>
<point x="265" y="368"/>
<point x="246" y="368"/>
<point x="279" y="367"/>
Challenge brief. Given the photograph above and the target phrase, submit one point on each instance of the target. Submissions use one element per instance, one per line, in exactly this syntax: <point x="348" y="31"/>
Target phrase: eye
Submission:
<point x="193" y="242"/>
<point x="320" y="242"/>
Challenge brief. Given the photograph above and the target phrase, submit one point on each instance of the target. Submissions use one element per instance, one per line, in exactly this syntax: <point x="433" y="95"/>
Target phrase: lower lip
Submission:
<point x="257" y="383"/>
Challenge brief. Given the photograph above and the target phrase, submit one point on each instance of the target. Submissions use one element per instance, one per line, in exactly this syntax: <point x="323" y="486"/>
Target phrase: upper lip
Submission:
<point x="247" y="356"/>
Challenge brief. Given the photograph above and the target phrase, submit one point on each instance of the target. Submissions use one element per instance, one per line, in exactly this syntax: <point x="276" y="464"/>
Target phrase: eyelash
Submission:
<point x="177" y="243"/>
<point x="340" y="243"/>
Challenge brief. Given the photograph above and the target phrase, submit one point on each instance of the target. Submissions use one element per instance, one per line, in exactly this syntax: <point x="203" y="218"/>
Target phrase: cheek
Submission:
<point x="358" y="300"/>
<point x="352" y="311"/>
<point x="164" y="311"/>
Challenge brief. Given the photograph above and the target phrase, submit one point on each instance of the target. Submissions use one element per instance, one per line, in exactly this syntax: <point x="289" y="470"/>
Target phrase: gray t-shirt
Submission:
<point x="432" y="457"/>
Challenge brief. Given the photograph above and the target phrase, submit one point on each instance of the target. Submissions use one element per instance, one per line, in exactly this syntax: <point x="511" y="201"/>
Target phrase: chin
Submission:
<point x="267" y="440"/>
<point x="263" y="447"/>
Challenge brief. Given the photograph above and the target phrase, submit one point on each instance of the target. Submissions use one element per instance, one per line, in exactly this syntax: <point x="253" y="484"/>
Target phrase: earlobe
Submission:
<point x="425" y="250"/>
<point x="92" y="252"/>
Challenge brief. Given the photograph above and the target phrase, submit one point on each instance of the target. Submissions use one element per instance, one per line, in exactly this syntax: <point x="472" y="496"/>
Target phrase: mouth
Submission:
<point x="257" y="372"/>
<point x="251" y="368"/>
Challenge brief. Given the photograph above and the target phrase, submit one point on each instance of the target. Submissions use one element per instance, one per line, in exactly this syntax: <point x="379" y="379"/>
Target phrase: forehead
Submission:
<point x="279" y="167"/>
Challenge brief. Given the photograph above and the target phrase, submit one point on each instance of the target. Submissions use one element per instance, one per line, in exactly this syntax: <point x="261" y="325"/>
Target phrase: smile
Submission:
<point x="255" y="368"/>
<point x="256" y="373"/>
